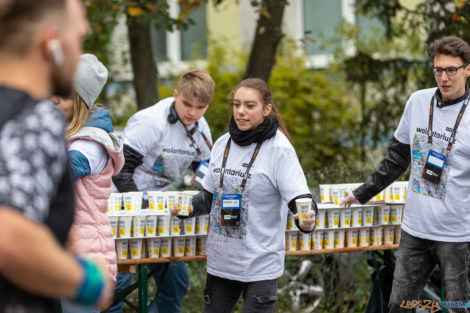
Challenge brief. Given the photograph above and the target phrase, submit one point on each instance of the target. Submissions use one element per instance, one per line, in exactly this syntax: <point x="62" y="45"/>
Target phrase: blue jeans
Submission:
<point x="415" y="261"/>
<point x="68" y="307"/>
<point x="174" y="288"/>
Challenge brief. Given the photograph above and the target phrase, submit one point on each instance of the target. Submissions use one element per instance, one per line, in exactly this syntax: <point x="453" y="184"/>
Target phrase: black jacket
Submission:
<point x="390" y="169"/>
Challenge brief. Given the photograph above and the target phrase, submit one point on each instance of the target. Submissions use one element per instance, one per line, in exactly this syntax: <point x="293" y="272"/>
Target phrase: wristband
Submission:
<point x="92" y="284"/>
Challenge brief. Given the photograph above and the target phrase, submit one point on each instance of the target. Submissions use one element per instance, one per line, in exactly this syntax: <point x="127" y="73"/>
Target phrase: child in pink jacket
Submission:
<point x="95" y="156"/>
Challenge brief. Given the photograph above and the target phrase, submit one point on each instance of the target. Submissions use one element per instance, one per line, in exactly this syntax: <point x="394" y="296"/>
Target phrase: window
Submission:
<point x="321" y="19"/>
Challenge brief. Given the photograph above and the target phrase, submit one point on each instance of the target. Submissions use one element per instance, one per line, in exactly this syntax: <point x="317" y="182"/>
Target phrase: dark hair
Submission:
<point x="18" y="20"/>
<point x="450" y="45"/>
<point x="265" y="95"/>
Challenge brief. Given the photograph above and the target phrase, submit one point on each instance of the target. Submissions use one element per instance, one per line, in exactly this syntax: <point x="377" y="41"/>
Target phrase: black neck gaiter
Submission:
<point x="264" y="131"/>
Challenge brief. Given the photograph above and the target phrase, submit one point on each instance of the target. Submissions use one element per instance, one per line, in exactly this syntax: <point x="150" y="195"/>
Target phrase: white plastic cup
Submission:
<point x="190" y="246"/>
<point x="189" y="199"/>
<point x="329" y="239"/>
<point x="368" y="216"/>
<point x="396" y="213"/>
<point x="165" y="247"/>
<point x="182" y="204"/>
<point x="338" y="194"/>
<point x="320" y="220"/>
<point x="189" y="226"/>
<point x="364" y="237"/>
<point x="325" y="193"/>
<point x="351" y="235"/>
<point x="178" y="246"/>
<point x="345" y="217"/>
<point x="384" y="214"/>
<point x="175" y="226"/>
<point x="333" y="218"/>
<point x="318" y="237"/>
<point x="130" y="204"/>
<point x="389" y="235"/>
<point x="157" y="201"/>
<point x="125" y="226"/>
<point x="153" y="247"/>
<point x="291" y="241"/>
<point x="164" y="225"/>
<point x="339" y="238"/>
<point x="357" y="216"/>
<point x="139" y="226"/>
<point x="151" y="225"/>
<point x="380" y="196"/>
<point x="122" y="249"/>
<point x="202" y="225"/>
<point x="303" y="206"/>
<point x="171" y="197"/>
<point x="113" y="221"/>
<point x="114" y="203"/>
<point x="305" y="241"/>
<point x="377" y="235"/>
<point x="389" y="197"/>
<point x="136" y="248"/>
<point x="397" y="234"/>
<point x="201" y="243"/>
<point x="290" y="224"/>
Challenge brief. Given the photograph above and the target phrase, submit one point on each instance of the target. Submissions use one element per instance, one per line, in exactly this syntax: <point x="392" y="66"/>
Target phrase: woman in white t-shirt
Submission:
<point x="254" y="176"/>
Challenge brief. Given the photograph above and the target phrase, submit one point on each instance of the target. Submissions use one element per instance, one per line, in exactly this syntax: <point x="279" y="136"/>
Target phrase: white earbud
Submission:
<point x="56" y="49"/>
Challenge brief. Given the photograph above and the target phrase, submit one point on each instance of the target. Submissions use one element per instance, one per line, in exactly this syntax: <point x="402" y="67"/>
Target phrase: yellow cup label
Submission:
<point x="198" y="227"/>
<point x="156" y="251"/>
<point x="206" y="228"/>
<point x="189" y="228"/>
<point x="128" y="207"/>
<point x="180" y="250"/>
<point x="122" y="231"/>
<point x="124" y="253"/>
<point x="164" y="250"/>
<point x="150" y="230"/>
<point x="151" y="205"/>
<point x="134" y="252"/>
<point x="161" y="230"/>
<point x="160" y="206"/>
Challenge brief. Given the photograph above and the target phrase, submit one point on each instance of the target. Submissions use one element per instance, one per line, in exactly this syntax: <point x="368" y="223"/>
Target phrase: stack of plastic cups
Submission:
<point x="305" y="241"/>
<point x="291" y="241"/>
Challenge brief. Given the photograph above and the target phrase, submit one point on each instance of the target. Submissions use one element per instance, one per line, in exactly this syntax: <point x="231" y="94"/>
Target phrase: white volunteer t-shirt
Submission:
<point x="255" y="250"/>
<point x="437" y="212"/>
<point x="166" y="148"/>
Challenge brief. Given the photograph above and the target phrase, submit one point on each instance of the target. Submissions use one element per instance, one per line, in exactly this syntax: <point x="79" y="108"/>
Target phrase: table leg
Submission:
<point x="143" y="284"/>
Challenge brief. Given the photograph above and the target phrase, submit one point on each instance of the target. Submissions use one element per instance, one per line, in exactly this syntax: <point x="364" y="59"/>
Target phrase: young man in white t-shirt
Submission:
<point x="434" y="135"/>
<point x="160" y="143"/>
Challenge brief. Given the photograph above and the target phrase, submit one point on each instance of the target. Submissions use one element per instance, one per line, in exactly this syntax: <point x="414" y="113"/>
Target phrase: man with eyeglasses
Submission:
<point x="434" y="136"/>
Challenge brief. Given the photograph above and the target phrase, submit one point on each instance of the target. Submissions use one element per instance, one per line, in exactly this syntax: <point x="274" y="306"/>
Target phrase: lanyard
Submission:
<point x="188" y="133"/>
<point x="457" y="123"/>
<point x="224" y="163"/>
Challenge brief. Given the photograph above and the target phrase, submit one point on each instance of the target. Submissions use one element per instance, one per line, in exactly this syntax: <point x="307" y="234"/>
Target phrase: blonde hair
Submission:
<point x="80" y="113"/>
<point x="197" y="85"/>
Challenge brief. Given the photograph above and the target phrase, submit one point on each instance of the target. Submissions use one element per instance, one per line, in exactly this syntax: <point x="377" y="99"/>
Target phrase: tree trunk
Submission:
<point x="143" y="64"/>
<point x="267" y="37"/>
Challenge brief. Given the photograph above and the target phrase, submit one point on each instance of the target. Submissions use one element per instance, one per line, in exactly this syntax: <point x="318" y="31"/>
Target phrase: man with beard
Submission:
<point x="39" y="50"/>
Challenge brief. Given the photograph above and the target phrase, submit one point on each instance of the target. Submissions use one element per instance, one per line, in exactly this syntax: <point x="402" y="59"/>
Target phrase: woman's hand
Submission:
<point x="307" y="223"/>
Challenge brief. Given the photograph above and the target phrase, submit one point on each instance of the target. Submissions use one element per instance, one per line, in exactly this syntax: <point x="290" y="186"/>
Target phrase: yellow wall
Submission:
<point x="223" y="22"/>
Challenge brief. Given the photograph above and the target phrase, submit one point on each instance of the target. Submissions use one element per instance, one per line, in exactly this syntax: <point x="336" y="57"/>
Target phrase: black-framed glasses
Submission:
<point x="450" y="71"/>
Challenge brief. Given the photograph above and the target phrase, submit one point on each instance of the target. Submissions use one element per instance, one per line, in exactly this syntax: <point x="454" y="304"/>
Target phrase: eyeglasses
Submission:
<point x="450" y="71"/>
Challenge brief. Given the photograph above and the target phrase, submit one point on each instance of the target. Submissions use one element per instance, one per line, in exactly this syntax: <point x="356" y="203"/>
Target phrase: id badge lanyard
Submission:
<point x="435" y="161"/>
<point x="231" y="204"/>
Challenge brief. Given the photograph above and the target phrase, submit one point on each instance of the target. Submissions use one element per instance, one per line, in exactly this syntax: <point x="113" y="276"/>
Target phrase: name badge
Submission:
<point x="231" y="205"/>
<point x="434" y="166"/>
